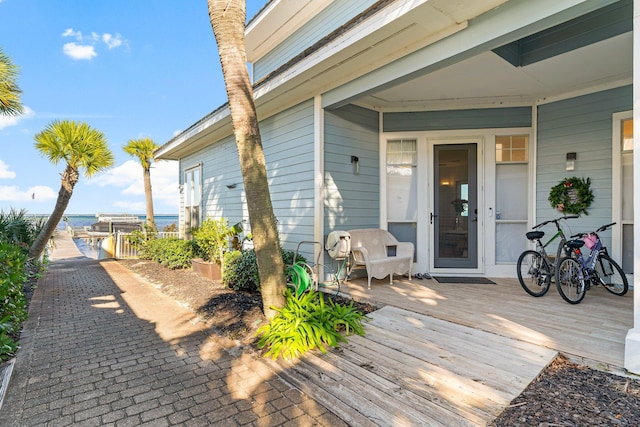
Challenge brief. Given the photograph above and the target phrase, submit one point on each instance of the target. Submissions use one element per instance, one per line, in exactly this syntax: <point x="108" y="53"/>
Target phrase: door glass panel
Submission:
<point x="455" y="218"/>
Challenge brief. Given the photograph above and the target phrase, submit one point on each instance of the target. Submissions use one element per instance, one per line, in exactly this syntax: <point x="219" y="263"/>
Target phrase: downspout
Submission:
<point x="318" y="177"/>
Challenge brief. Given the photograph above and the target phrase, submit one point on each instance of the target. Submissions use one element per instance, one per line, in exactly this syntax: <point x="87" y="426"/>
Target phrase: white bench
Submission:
<point x="380" y="253"/>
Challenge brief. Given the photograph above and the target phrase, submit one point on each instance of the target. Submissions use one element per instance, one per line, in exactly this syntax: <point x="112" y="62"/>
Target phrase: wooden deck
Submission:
<point x="593" y="331"/>
<point x="456" y="354"/>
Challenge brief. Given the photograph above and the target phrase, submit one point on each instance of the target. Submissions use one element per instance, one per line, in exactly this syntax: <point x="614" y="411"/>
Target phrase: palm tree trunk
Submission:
<point x="148" y="196"/>
<point x="69" y="179"/>
<point x="228" y="23"/>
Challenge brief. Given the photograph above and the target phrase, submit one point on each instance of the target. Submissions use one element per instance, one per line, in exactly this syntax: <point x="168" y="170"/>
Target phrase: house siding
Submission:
<point x="288" y="141"/>
<point x="288" y="148"/>
<point x="351" y="201"/>
<point x="332" y="17"/>
<point x="483" y="118"/>
<point x="582" y="125"/>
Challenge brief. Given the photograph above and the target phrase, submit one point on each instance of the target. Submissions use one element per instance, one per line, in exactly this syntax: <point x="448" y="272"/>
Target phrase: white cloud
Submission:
<point x="70" y="33"/>
<point x="5" y="173"/>
<point x="79" y="51"/>
<point x="39" y="193"/>
<point x="8" y="121"/>
<point x="128" y="176"/>
<point x="111" y="41"/>
<point x="85" y="48"/>
<point x="130" y="206"/>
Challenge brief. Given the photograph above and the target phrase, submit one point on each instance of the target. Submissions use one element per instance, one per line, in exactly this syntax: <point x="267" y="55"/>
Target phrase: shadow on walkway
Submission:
<point x="101" y="347"/>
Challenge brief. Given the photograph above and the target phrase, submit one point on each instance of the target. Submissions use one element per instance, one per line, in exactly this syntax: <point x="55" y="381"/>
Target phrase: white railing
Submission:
<point x="125" y="250"/>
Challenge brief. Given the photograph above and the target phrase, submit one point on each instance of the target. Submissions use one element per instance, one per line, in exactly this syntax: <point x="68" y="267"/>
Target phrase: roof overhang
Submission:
<point x="398" y="43"/>
<point x="277" y="21"/>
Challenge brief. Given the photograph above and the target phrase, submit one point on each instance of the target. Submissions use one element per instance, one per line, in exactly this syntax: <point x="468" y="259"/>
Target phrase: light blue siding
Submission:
<point x="483" y="118"/>
<point x="582" y="125"/>
<point x="332" y="17"/>
<point x="288" y="143"/>
<point x="351" y="201"/>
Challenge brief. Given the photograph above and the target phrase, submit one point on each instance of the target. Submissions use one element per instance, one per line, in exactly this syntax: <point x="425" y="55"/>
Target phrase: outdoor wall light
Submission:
<point x="181" y="188"/>
<point x="355" y="162"/>
<point x="571" y="161"/>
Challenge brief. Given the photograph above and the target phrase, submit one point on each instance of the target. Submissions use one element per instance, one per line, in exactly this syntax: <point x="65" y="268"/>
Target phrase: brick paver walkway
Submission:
<point x="103" y="348"/>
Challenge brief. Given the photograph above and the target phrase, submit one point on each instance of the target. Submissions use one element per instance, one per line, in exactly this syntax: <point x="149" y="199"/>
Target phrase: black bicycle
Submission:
<point x="535" y="267"/>
<point x="576" y="274"/>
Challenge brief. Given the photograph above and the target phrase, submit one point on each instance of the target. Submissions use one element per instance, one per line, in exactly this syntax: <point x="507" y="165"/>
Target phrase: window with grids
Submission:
<point x="512" y="185"/>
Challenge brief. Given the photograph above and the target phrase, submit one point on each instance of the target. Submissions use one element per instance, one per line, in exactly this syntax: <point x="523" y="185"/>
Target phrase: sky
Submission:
<point x="128" y="68"/>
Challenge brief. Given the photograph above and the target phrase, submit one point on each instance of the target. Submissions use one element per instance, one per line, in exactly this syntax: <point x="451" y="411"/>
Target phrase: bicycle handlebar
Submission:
<point x="556" y="220"/>
<point x="601" y="228"/>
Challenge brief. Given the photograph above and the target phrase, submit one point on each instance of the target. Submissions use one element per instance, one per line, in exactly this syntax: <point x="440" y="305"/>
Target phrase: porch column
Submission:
<point x="632" y="344"/>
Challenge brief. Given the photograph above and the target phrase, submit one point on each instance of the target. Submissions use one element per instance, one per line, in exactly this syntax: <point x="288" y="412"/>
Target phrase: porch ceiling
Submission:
<point x="489" y="80"/>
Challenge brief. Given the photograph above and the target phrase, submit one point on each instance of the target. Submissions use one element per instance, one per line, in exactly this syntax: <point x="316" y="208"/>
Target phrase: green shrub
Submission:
<point x="140" y="238"/>
<point x="173" y="253"/>
<point x="18" y="228"/>
<point x="12" y="300"/>
<point x="305" y="323"/>
<point x="241" y="269"/>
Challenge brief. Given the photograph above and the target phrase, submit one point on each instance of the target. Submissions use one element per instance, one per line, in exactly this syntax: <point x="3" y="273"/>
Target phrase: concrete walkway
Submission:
<point x="101" y="347"/>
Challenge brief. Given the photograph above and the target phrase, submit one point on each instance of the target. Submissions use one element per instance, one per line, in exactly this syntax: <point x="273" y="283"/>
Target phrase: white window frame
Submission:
<point x="616" y="181"/>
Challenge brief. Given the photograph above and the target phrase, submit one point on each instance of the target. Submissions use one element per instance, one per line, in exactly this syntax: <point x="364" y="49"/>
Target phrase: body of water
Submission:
<point x="94" y="250"/>
<point x="76" y="220"/>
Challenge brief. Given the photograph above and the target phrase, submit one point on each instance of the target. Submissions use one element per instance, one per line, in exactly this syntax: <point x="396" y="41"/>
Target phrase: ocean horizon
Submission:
<point x="82" y="220"/>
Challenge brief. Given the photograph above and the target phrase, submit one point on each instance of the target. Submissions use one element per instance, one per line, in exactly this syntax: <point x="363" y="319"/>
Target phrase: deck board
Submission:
<point x="456" y="354"/>
<point x="408" y="370"/>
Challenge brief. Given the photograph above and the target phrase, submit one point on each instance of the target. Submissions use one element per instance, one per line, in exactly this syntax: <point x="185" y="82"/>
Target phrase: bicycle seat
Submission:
<point x="535" y="235"/>
<point x="574" y="244"/>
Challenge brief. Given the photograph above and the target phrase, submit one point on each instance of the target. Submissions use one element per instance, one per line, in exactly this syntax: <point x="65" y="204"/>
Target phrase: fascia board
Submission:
<point x="193" y="137"/>
<point x="365" y="29"/>
<point x="278" y="21"/>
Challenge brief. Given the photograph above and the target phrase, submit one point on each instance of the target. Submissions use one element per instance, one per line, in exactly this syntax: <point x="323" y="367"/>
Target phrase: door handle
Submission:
<point x="475" y="219"/>
<point x="431" y="216"/>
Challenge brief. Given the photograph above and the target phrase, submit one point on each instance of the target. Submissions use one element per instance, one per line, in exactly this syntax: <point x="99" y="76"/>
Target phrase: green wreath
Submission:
<point x="572" y="196"/>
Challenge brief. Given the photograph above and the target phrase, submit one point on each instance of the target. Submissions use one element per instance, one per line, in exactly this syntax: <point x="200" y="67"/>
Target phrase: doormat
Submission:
<point x="465" y="280"/>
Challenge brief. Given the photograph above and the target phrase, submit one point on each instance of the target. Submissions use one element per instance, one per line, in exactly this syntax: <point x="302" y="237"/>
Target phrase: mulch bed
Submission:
<point x="565" y="394"/>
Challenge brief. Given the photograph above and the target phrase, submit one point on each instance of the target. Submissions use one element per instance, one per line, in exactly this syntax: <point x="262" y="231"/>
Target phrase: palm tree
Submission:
<point x="228" y="22"/>
<point x="81" y="148"/>
<point x="10" y="104"/>
<point x="143" y="149"/>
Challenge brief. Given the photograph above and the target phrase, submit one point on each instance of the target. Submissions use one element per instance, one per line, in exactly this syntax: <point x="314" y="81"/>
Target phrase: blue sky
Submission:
<point x="129" y="68"/>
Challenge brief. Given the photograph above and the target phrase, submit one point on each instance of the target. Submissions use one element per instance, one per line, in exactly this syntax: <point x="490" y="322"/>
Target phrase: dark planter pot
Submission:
<point x="208" y="270"/>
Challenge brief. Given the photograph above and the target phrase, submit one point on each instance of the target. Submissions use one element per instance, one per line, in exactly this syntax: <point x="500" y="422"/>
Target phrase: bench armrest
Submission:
<point x="360" y="255"/>
<point x="404" y="249"/>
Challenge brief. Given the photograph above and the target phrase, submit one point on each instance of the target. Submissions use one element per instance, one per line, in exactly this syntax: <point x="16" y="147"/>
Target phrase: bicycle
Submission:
<point x="535" y="268"/>
<point x="575" y="275"/>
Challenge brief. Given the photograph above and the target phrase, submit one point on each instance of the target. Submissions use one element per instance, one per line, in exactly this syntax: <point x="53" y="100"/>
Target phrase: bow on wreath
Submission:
<point x="572" y="196"/>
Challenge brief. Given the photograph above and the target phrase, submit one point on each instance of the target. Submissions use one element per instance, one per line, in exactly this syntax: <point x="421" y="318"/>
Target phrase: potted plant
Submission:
<point x="212" y="240"/>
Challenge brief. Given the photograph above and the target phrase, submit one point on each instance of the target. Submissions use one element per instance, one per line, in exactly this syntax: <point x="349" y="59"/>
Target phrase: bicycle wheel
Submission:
<point x="534" y="273"/>
<point x="610" y="275"/>
<point x="569" y="281"/>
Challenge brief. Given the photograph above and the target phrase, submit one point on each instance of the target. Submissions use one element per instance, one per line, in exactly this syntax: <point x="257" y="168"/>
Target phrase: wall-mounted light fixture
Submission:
<point x="571" y="161"/>
<point x="181" y="188"/>
<point x="355" y="162"/>
<point x="231" y="186"/>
